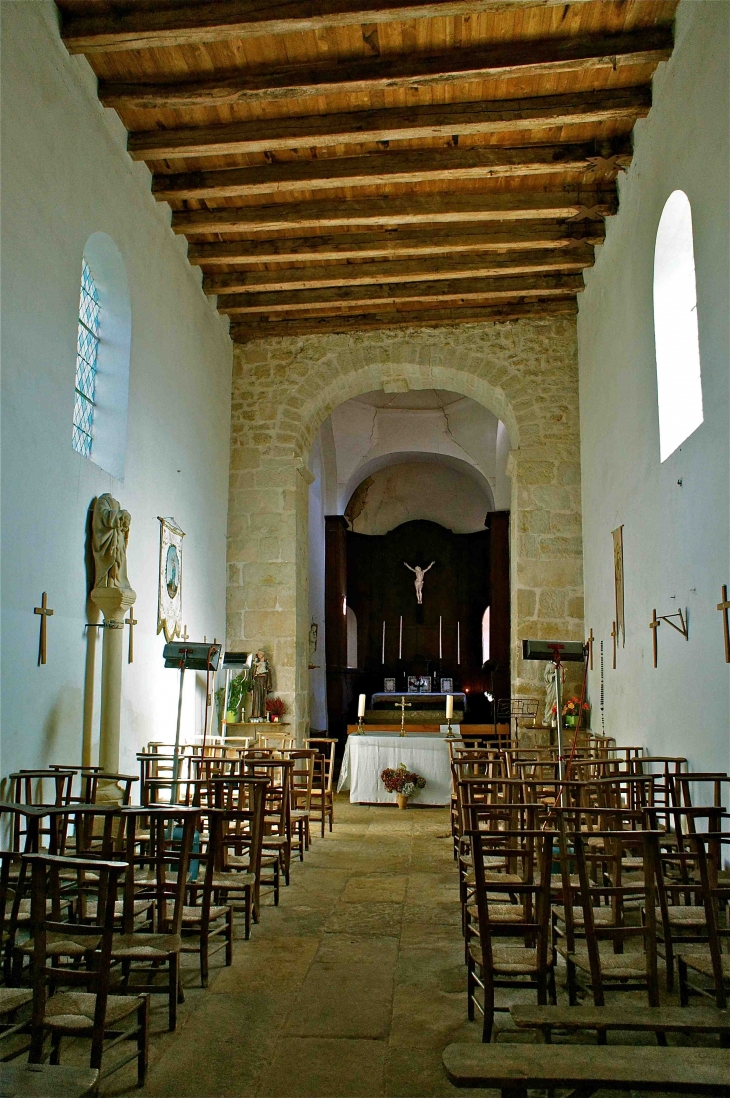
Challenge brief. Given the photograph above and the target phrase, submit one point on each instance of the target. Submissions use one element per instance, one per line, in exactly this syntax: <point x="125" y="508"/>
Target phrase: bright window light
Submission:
<point x="676" y="337"/>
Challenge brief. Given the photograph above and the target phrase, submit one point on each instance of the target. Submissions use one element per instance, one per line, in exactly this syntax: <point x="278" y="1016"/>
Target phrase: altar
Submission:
<point x="367" y="756"/>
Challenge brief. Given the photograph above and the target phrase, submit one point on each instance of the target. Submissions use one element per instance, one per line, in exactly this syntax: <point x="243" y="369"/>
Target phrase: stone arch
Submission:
<point x="525" y="372"/>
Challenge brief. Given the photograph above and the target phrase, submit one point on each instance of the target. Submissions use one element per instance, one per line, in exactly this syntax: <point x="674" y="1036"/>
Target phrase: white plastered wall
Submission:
<point x="676" y="535"/>
<point x="66" y="175"/>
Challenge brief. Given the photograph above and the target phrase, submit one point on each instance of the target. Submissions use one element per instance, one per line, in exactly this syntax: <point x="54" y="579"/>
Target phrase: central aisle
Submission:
<point x="353" y="986"/>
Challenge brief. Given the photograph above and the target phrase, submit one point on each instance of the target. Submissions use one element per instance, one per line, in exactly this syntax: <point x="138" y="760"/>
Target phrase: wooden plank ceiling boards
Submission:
<point x="348" y="165"/>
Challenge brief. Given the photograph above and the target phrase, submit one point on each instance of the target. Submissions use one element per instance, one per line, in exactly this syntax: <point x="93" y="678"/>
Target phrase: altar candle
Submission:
<point x="458" y="642"/>
<point x="361" y="706"/>
<point x="440" y="647"/>
<point x="382" y="657"/>
<point x="400" y="639"/>
<point x="449" y="706"/>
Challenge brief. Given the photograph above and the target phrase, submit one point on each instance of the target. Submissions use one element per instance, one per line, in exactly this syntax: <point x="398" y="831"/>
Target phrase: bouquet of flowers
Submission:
<point x="572" y="707"/>
<point x="402" y="780"/>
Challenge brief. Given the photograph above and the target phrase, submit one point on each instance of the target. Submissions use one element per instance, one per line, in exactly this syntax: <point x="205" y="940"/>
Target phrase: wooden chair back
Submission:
<point x="159" y="845"/>
<point x="699" y="789"/>
<point x="97" y="875"/>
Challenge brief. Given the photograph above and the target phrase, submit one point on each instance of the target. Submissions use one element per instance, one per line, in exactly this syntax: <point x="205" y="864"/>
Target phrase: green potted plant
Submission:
<point x="237" y="690"/>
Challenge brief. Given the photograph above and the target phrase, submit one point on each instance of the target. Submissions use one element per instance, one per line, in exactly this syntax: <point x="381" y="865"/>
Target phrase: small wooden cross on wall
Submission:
<point x="654" y="625"/>
<point x="614" y="635"/>
<point x="45" y="613"/>
<point x="131" y="621"/>
<point x="185" y="635"/>
<point x="589" y="642"/>
<point x="723" y="606"/>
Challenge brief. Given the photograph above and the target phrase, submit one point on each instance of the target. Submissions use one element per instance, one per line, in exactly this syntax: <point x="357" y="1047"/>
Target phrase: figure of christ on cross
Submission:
<point x="419" y="574"/>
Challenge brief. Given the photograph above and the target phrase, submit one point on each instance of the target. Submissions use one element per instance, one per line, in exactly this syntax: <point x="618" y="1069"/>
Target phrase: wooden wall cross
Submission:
<point x="654" y="625"/>
<point x="131" y="621"/>
<point x="589" y="642"/>
<point x="45" y="613"/>
<point x="185" y="635"/>
<point x="614" y="635"/>
<point x="723" y="606"/>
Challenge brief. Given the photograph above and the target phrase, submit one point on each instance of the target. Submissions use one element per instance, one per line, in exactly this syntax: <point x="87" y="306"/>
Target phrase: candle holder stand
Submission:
<point x="450" y="733"/>
<point x="360" y="729"/>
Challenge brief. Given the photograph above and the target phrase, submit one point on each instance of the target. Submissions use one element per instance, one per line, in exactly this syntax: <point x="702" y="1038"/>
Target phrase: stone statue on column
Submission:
<point x="113" y="595"/>
<point x="261" y="683"/>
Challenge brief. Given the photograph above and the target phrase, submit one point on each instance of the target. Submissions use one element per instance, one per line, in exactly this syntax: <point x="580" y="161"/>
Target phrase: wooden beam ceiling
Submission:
<point x="579" y="204"/>
<point x="551" y="58"/>
<point x="225" y="20"/>
<point x="507" y="117"/>
<point x="351" y="165"/>
<point x="398" y="243"/>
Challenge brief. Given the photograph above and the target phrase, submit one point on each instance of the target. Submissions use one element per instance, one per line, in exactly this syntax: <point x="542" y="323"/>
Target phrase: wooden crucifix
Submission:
<point x="614" y="636"/>
<point x="131" y="621"/>
<point x="589" y="641"/>
<point x="723" y="606"/>
<point x="185" y="635"/>
<point x="654" y="625"/>
<point x="45" y="613"/>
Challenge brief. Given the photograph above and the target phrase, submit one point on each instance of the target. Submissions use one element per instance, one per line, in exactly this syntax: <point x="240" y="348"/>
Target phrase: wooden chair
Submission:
<point x="302" y="777"/>
<point x="277" y="820"/>
<point x="713" y="962"/>
<point x="492" y="964"/>
<point x="158" y="870"/>
<point x="322" y="804"/>
<point x="12" y="999"/>
<point x="598" y="857"/>
<point x="239" y="807"/>
<point x="90" y="1013"/>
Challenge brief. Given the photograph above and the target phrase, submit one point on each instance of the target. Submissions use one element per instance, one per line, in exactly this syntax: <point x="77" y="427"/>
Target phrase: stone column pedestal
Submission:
<point x="114" y="602"/>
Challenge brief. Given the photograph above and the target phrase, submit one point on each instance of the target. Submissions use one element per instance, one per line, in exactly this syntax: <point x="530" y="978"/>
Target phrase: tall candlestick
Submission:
<point x="400" y="639"/>
<point x="382" y="657"/>
<point x="458" y="642"/>
<point x="440" y="645"/>
<point x="361" y="706"/>
<point x="449" y="706"/>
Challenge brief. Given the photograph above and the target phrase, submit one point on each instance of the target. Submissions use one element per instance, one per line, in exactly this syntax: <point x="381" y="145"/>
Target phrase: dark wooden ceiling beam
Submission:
<point x="425" y="318"/>
<point x="381" y="169"/>
<point x="581" y="203"/>
<point x="400" y="243"/>
<point x="456" y="292"/>
<point x="321" y="276"/>
<point x="222" y="20"/>
<point x="513" y="60"/>
<point x="411" y="123"/>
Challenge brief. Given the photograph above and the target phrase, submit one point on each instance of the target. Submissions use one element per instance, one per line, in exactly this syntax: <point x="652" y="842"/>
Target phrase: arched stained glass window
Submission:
<point x="676" y="333"/>
<point x="87" y="353"/>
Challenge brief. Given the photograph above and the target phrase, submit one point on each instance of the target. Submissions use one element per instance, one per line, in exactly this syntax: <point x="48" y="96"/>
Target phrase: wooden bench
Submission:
<point x="659" y="1020"/>
<point x="515" y="1067"/>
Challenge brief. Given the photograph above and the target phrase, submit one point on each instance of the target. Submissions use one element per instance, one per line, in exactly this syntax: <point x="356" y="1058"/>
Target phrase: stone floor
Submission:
<point x="352" y="986"/>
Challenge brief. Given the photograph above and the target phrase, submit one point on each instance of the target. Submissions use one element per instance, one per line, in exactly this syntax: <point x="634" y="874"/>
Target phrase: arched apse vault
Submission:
<point x="283" y="389"/>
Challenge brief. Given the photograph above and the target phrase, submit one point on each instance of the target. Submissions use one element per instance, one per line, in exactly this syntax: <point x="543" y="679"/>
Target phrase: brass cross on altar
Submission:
<point x="589" y="642"/>
<point x="654" y="625"/>
<point x="131" y="621"/>
<point x="403" y="705"/>
<point x="614" y="635"/>
<point x="45" y="614"/>
<point x="723" y="607"/>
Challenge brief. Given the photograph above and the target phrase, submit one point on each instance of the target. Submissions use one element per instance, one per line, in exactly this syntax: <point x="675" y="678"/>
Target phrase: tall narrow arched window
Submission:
<point x="676" y="334"/>
<point x="103" y="344"/>
<point x="87" y="351"/>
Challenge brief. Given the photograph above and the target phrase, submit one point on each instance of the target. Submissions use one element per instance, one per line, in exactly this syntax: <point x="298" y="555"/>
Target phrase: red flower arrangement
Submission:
<point x="275" y="707"/>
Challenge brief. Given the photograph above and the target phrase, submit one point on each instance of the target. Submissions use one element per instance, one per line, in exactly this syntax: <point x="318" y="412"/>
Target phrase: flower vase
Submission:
<point x="231" y="716"/>
<point x="402" y="800"/>
<point x="571" y="720"/>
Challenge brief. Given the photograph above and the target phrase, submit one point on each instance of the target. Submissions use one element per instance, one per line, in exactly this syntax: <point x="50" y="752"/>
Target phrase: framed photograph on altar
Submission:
<point x="389" y="686"/>
<point x="419" y="684"/>
<point x="169" y="599"/>
<point x="447" y="686"/>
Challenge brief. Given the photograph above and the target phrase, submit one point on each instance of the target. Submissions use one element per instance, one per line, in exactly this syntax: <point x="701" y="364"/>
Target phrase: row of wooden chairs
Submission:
<point x="609" y="873"/>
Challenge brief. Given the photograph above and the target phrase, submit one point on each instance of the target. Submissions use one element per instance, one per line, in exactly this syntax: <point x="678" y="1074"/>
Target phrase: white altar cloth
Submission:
<point x="367" y="756"/>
